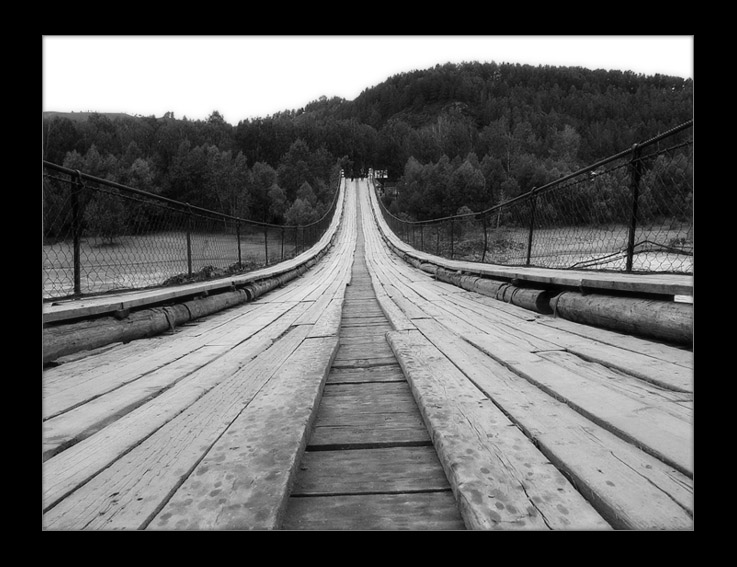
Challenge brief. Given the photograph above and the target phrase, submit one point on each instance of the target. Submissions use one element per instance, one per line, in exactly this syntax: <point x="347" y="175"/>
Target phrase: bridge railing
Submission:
<point x="101" y="236"/>
<point x="631" y="212"/>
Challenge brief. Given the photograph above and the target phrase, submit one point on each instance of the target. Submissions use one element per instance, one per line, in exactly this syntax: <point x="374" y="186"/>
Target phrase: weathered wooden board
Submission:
<point x="384" y="373"/>
<point x="665" y="353"/>
<point x="644" y="423"/>
<point x="501" y="481"/>
<point x="328" y="324"/>
<point x="369" y="437"/>
<point x="432" y="511"/>
<point x="629" y="487"/>
<point x="465" y="312"/>
<point x="379" y="407"/>
<point x="370" y="431"/>
<point x="244" y="480"/>
<point x="62" y="394"/>
<point x="89" y="468"/>
<point x="367" y="471"/>
<point x="84" y="420"/>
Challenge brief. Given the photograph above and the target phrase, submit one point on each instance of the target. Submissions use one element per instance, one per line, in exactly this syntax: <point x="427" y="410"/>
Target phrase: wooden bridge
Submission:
<point x="362" y="393"/>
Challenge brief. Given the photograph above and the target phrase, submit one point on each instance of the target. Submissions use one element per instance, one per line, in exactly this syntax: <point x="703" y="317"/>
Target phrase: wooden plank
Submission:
<point x="66" y="472"/>
<point x="243" y="482"/>
<point x="328" y="325"/>
<point x="678" y="404"/>
<point x="369" y="341"/>
<point x="393" y="512"/>
<point x="171" y="357"/>
<point x="394" y="418"/>
<point x="630" y="488"/>
<point x="495" y="319"/>
<point x="69" y="386"/>
<point x="368" y="415"/>
<point x="654" y="430"/>
<point x="399" y="321"/>
<point x="367" y="391"/>
<point x="367" y="362"/>
<point x="364" y="406"/>
<point x="84" y="420"/>
<point x="367" y="331"/>
<point x="386" y="373"/>
<point x="500" y="480"/>
<point x="368" y="471"/>
<point x="665" y="353"/>
<point x="370" y="432"/>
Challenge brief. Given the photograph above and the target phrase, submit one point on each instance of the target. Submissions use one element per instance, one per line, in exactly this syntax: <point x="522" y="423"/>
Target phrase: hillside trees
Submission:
<point x="442" y="130"/>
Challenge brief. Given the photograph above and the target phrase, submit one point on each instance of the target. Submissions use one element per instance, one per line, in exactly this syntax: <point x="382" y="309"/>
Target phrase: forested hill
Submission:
<point x="526" y="123"/>
<point x="457" y="103"/>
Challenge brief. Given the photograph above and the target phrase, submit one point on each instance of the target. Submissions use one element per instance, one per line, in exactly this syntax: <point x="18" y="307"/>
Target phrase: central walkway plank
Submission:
<point x="369" y="463"/>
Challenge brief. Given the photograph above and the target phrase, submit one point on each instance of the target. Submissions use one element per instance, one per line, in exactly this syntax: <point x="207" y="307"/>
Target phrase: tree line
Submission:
<point x="455" y="135"/>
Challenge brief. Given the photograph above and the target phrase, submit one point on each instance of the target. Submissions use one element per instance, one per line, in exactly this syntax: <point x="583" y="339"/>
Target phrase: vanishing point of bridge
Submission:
<point x="366" y="393"/>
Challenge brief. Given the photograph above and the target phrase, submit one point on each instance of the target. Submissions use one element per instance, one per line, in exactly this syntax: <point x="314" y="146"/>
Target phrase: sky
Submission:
<point x="245" y="77"/>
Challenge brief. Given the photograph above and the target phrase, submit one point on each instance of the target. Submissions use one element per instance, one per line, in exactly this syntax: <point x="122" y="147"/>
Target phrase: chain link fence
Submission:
<point x="101" y="236"/>
<point x="631" y="212"/>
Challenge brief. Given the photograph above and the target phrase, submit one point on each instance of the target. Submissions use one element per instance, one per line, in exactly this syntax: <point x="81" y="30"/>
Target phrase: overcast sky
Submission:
<point x="255" y="76"/>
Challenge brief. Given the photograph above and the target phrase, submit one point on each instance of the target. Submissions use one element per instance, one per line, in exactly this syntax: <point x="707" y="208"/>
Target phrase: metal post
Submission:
<point x="451" y="237"/>
<point x="422" y="237"/>
<point x="636" y="174"/>
<point x="282" y="244"/>
<point x="266" y="244"/>
<point x="532" y="226"/>
<point x="486" y="239"/>
<point x="189" y="245"/>
<point x="77" y="230"/>
<point x="238" y="235"/>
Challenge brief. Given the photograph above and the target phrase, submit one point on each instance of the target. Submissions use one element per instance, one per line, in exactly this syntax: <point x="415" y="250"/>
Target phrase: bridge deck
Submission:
<point x="537" y="422"/>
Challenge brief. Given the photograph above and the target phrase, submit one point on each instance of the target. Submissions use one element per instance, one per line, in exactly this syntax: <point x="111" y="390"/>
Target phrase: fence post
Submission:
<point x="532" y="226"/>
<point x="635" y="174"/>
<point x="266" y="244"/>
<point x="238" y="235"/>
<point x="77" y="230"/>
<point x="452" y="230"/>
<point x="189" y="243"/>
<point x="422" y="237"/>
<point x="486" y="240"/>
<point x="282" y="244"/>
